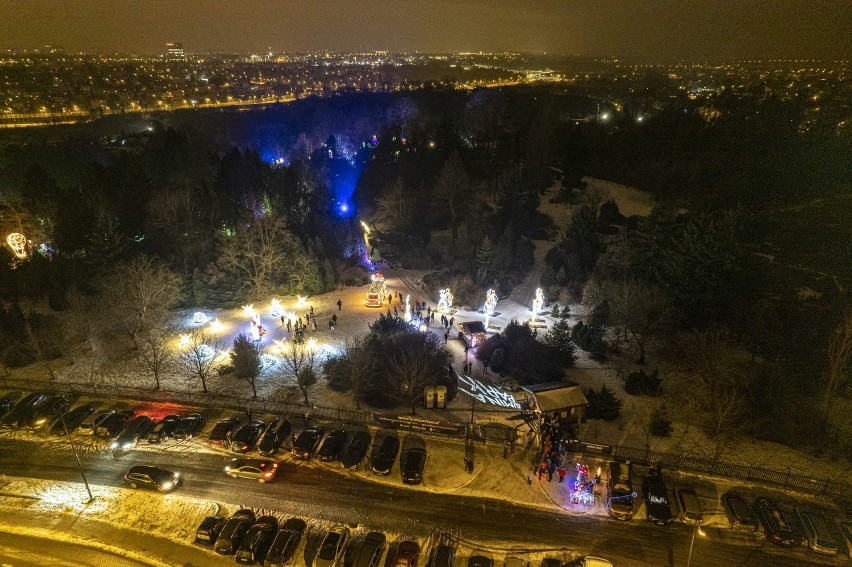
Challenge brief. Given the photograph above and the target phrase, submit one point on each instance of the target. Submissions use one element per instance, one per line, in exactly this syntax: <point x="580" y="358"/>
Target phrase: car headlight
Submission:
<point x="114" y="445"/>
<point x="227" y="469"/>
<point x="128" y="445"/>
<point x="167" y="485"/>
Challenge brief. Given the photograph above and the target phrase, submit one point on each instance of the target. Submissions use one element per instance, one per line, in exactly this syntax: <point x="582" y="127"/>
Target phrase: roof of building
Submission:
<point x="472" y="327"/>
<point x="555" y="396"/>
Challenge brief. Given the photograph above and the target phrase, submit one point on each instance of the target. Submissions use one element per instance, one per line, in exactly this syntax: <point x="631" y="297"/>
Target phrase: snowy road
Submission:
<point x="318" y="492"/>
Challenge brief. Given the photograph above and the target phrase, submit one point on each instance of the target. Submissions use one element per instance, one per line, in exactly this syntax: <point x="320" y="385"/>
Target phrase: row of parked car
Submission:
<point x="261" y="539"/>
<point x="781" y="525"/>
<point x="337" y="445"/>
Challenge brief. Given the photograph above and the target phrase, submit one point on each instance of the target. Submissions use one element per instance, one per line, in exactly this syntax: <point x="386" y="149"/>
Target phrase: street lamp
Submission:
<point x="76" y="456"/>
<point x="698" y="531"/>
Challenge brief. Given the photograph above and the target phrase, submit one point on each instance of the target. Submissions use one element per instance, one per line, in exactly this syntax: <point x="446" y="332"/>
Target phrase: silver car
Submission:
<point x="261" y="470"/>
<point x="818" y="532"/>
<point x="332" y="548"/>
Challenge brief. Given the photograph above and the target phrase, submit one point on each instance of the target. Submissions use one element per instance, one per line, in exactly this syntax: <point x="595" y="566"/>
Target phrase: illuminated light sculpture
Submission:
<point x="18" y="243"/>
<point x="312" y="344"/>
<point x="377" y="291"/>
<point x="275" y="310"/>
<point x="206" y="351"/>
<point x="407" y="315"/>
<point x="422" y="328"/>
<point x="490" y="305"/>
<point x="538" y="303"/>
<point x="445" y="300"/>
<point x="281" y="345"/>
<point x="248" y="311"/>
<point x="302" y="301"/>
<point x="257" y="329"/>
<point x="199" y="318"/>
<point x="216" y="326"/>
<point x="185" y="341"/>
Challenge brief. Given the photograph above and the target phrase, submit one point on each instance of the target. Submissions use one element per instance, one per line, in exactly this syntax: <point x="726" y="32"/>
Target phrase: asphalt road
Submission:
<point x="332" y="496"/>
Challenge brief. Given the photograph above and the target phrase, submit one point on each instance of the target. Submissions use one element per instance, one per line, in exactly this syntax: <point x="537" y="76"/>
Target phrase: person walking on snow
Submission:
<point x="339" y="304"/>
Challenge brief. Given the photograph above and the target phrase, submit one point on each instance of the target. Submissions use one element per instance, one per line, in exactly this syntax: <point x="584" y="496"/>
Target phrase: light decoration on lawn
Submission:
<point x="486" y="393"/>
<point x="280" y="345"/>
<point x="18" y="243"/>
<point x="256" y="329"/>
<point x="302" y="301"/>
<point x="312" y="345"/>
<point x="199" y="318"/>
<point x="422" y="328"/>
<point x="268" y="360"/>
<point x="216" y="326"/>
<point x="583" y="489"/>
<point x="206" y="351"/>
<point x="185" y="341"/>
<point x="407" y="315"/>
<point x="445" y="300"/>
<point x="248" y="311"/>
<point x="275" y="310"/>
<point x="538" y="303"/>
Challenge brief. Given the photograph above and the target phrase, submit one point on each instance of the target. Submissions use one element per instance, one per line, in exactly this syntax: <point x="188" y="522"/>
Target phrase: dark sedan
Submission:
<point x="406" y="554"/>
<point x="234" y="531"/>
<point x="657" y="508"/>
<point x="384" y="458"/>
<point x="137" y="428"/>
<point x="415" y="462"/>
<point x="164" y="429"/>
<point x="332" y="445"/>
<point x="355" y="450"/>
<point x="245" y="438"/>
<point x="21" y="413"/>
<point x="257" y="541"/>
<point x="222" y="431"/>
<point x="44" y="415"/>
<point x="779" y="525"/>
<point x="209" y="529"/>
<point x="306" y="443"/>
<point x="72" y="419"/>
<point x="155" y="478"/>
<point x="274" y="436"/>
<point x="189" y="426"/>
<point x="285" y="543"/>
<point x="112" y="424"/>
<point x="7" y="402"/>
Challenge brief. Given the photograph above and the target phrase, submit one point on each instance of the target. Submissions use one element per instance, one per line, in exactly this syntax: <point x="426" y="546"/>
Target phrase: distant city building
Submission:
<point x="175" y="50"/>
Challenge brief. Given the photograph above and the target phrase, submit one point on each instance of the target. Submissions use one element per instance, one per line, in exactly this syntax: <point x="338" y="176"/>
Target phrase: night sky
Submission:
<point x="652" y="30"/>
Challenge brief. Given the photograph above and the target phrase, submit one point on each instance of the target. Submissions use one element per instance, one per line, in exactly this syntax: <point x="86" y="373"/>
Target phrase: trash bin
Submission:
<point x="429" y="397"/>
<point x="441" y="394"/>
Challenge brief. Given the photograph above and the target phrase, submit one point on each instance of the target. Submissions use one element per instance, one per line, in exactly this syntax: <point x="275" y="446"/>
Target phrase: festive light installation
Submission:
<point x="407" y="309"/>
<point x="281" y="345"/>
<point x="18" y="243"/>
<point x="445" y="300"/>
<point x="312" y="344"/>
<point x="490" y="302"/>
<point x="302" y="301"/>
<point x="257" y="329"/>
<point x="216" y="326"/>
<point x="275" y="311"/>
<point x="377" y="292"/>
<point x="248" y="311"/>
<point x="538" y="303"/>
<point x="199" y="318"/>
<point x="185" y="341"/>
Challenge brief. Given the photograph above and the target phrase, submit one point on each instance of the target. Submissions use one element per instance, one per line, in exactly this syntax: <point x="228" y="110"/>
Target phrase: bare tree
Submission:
<point x="839" y="355"/>
<point x="78" y="320"/>
<point x="138" y="292"/>
<point x="642" y="310"/>
<point x="395" y="209"/>
<point x="359" y="366"/>
<point x="402" y="113"/>
<point x="157" y="352"/>
<point x="198" y="355"/>
<point x="452" y="187"/>
<point x="411" y="369"/>
<point x="298" y="367"/>
<point x="259" y="252"/>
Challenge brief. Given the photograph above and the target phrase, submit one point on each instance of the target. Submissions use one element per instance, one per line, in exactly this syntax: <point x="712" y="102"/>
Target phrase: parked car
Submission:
<point x="690" y="506"/>
<point x="332" y="548"/>
<point x="23" y="410"/>
<point x="371" y="550"/>
<point x="354" y="451"/>
<point x="818" y="533"/>
<point x="7" y="402"/>
<point x="72" y="419"/>
<point x="209" y="529"/>
<point x="257" y="541"/>
<point x="246" y="436"/>
<point x="189" y="426"/>
<point x="480" y="561"/>
<point x="514" y="562"/>
<point x="415" y="462"/>
<point x="740" y="516"/>
<point x="306" y="443"/>
<point x="222" y="431"/>
<point x="551" y="562"/>
<point x="442" y="556"/>
<point x="89" y="426"/>
<point x="846" y="533"/>
<point x="262" y="470"/>
<point x="590" y="561"/>
<point x="112" y="424"/>
<point x="383" y="459"/>
<point x="137" y="428"/>
<point x="285" y="543"/>
<point x="155" y="478"/>
<point x="407" y="553"/>
<point x="619" y="491"/>
<point x="164" y="429"/>
<point x="333" y="444"/>
<point x="657" y="507"/>
<point x="234" y="531"/>
<point x="44" y="415"/>
<point x="779" y="526"/>
<point x="274" y="436"/>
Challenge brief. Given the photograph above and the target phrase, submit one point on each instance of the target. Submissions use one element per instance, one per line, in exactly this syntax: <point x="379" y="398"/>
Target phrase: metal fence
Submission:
<point x="786" y="479"/>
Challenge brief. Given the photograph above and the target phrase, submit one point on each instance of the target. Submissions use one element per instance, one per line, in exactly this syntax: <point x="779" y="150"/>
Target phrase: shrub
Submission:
<point x="640" y="383"/>
<point x="661" y="425"/>
<point x="603" y="404"/>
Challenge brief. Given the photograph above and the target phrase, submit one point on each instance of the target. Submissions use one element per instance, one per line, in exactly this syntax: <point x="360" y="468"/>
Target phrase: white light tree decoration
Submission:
<point x="275" y="310"/>
<point x="445" y="300"/>
<point x="407" y="315"/>
<point x="490" y="305"/>
<point x="18" y="243"/>
<point x="538" y="303"/>
<point x="199" y="318"/>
